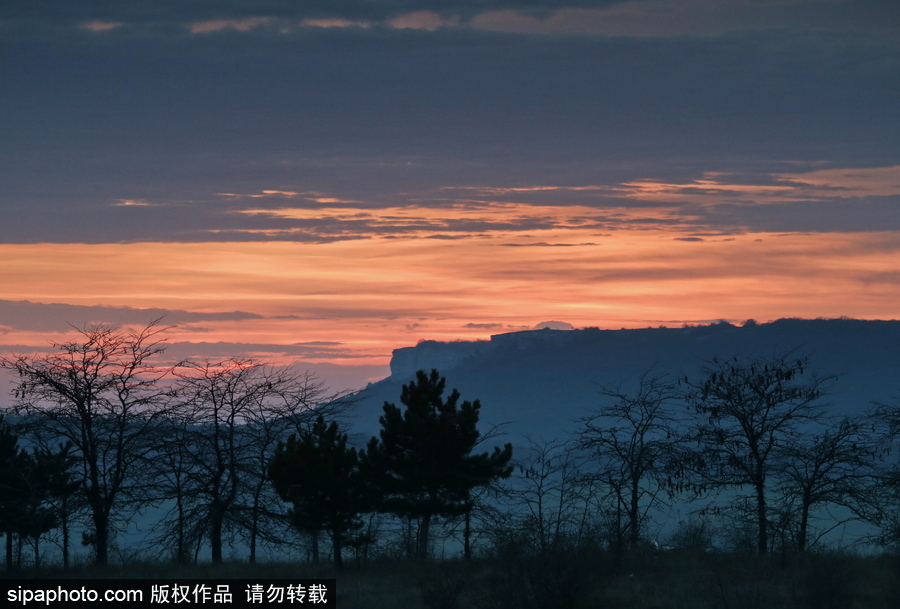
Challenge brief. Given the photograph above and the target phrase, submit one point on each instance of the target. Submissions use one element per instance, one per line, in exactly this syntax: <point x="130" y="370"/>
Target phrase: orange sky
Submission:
<point x="331" y="181"/>
<point x="377" y="294"/>
<point x="336" y="281"/>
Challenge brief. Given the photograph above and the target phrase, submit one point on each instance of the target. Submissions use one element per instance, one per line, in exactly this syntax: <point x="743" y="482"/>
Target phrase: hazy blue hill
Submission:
<point x="541" y="381"/>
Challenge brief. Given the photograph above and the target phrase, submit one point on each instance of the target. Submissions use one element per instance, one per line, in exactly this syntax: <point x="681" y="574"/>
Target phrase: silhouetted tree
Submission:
<point x="57" y="486"/>
<point x="35" y="491"/>
<point x="317" y="473"/>
<point x="173" y="483"/>
<point x="233" y="413"/>
<point x="290" y="406"/>
<point x="423" y="459"/>
<point x="101" y="394"/>
<point x="633" y="439"/>
<point x="10" y="487"/>
<point x="34" y="517"/>
<point x="833" y="466"/>
<point x="745" y="411"/>
<point x="554" y="492"/>
<point x="885" y="426"/>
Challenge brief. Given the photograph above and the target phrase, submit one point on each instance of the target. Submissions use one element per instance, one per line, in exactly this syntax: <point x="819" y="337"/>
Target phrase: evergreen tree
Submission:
<point x="30" y="486"/>
<point x="33" y="517"/>
<point x="10" y="487"/>
<point x="319" y="475"/>
<point x="423" y="461"/>
<point x="59" y="488"/>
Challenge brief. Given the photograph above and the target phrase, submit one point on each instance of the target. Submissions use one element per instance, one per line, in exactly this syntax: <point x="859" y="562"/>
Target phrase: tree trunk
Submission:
<point x="181" y="550"/>
<point x="253" y="535"/>
<point x="336" y="546"/>
<point x="215" y="539"/>
<point x="422" y="545"/>
<point x="64" y="521"/>
<point x="9" y="549"/>
<point x="634" y="515"/>
<point x="618" y="539"/>
<point x="254" y="523"/>
<point x="804" y="524"/>
<point x="763" y="540"/>
<point x="467" y="536"/>
<point x="101" y="538"/>
<point x="315" y="547"/>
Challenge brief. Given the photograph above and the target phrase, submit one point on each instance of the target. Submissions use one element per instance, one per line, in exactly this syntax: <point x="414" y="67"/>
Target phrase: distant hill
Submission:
<point x="540" y="382"/>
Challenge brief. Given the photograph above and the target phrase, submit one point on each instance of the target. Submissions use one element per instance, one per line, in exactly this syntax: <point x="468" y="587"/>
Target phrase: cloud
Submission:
<point x="364" y="295"/>
<point x="712" y="203"/>
<point x="341" y="115"/>
<point x="413" y="220"/>
<point x="311" y="196"/>
<point x="422" y="20"/>
<point x="134" y="203"/>
<point x="100" y="26"/>
<point x="635" y="18"/>
<point x="217" y="25"/>
<point x="545" y="244"/>
<point x="846" y="181"/>
<point x="211" y="350"/>
<point x="662" y="18"/>
<point x="23" y="315"/>
<point x="334" y="22"/>
<point x="554" y="325"/>
<point x="392" y="163"/>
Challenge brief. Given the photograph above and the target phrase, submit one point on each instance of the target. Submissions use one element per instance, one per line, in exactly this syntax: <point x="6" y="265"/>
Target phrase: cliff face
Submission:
<point x="540" y="385"/>
<point x="541" y="382"/>
<point x="430" y="354"/>
<point x="433" y="354"/>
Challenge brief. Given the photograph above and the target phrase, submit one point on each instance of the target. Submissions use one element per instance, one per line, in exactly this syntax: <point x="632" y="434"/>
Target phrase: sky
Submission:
<point x="322" y="182"/>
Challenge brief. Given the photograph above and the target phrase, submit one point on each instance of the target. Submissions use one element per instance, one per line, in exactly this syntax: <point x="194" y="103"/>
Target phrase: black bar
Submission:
<point x="175" y="593"/>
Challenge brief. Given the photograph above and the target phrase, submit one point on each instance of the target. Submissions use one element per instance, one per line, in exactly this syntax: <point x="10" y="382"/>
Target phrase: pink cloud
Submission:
<point x="422" y="20"/>
<point x="217" y="25"/>
<point x="100" y="26"/>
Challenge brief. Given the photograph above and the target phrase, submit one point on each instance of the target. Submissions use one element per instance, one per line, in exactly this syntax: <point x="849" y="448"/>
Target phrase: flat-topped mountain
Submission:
<point x="541" y="382"/>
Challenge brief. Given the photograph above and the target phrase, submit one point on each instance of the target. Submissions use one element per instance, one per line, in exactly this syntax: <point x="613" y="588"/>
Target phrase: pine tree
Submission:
<point x="10" y="487"/>
<point x="319" y="475"/>
<point x="423" y="461"/>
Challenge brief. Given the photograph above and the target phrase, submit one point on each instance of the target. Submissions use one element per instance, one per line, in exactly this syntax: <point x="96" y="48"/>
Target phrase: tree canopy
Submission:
<point x="746" y="411"/>
<point x="317" y="473"/>
<point x="424" y="460"/>
<point x="101" y="394"/>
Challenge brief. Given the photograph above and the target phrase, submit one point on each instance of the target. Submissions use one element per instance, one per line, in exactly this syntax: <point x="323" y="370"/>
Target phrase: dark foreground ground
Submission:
<point x="659" y="580"/>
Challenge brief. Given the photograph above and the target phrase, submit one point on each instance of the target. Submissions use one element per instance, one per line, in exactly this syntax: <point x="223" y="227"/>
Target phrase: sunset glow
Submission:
<point x="371" y="296"/>
<point x="323" y="183"/>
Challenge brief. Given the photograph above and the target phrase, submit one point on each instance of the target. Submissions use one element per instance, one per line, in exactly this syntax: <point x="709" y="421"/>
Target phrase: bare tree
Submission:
<point x="233" y="415"/>
<point x="102" y="394"/>
<point x="632" y="437"/>
<point x="885" y="427"/>
<point x="554" y="492"/>
<point x="834" y="466"/>
<point x="171" y="479"/>
<point x="745" y="411"/>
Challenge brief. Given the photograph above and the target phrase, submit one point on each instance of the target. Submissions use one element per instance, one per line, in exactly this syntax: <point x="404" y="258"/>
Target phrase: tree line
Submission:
<point x="112" y="430"/>
<point x="220" y="446"/>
